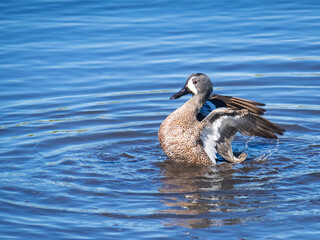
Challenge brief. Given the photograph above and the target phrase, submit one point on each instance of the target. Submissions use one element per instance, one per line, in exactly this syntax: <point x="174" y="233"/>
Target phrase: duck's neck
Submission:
<point x="196" y="102"/>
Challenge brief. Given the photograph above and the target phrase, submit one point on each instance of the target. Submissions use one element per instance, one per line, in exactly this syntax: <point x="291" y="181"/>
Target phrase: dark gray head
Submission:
<point x="197" y="83"/>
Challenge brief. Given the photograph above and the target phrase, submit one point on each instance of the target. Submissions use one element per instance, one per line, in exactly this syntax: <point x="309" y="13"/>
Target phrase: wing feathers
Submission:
<point x="222" y="124"/>
<point x="237" y="103"/>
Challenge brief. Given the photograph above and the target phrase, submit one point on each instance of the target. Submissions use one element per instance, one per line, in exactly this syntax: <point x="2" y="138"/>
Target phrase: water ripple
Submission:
<point x="86" y="85"/>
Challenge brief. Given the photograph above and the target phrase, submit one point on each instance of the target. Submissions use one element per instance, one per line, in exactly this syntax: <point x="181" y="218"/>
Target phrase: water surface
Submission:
<point x="85" y="85"/>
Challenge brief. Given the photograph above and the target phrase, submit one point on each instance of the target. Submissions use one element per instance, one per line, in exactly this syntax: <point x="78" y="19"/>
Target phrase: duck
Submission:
<point x="196" y="133"/>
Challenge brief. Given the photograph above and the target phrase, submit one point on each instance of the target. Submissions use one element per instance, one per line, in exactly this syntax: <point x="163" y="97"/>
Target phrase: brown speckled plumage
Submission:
<point x="179" y="134"/>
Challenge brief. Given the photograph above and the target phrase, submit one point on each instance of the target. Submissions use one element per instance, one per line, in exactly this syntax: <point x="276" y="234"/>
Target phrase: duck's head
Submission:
<point x="197" y="83"/>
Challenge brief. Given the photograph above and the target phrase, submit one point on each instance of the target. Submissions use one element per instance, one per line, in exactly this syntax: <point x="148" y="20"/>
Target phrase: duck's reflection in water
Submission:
<point x="198" y="196"/>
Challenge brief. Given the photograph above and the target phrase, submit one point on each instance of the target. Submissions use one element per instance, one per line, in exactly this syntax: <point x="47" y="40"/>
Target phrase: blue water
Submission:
<point x="85" y="85"/>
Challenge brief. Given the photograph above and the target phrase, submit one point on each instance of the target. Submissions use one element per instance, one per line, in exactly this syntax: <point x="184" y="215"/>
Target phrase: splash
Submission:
<point x="247" y="142"/>
<point x="269" y="152"/>
<point x="265" y="154"/>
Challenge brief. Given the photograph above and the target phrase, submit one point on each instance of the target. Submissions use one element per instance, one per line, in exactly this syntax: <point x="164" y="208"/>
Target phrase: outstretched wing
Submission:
<point x="236" y="103"/>
<point x="220" y="126"/>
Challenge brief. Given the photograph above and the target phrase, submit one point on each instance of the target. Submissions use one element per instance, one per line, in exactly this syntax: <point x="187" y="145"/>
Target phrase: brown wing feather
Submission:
<point x="246" y="123"/>
<point x="237" y="103"/>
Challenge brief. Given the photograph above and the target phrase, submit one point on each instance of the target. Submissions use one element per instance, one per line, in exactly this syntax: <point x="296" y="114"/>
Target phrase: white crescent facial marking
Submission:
<point x="192" y="87"/>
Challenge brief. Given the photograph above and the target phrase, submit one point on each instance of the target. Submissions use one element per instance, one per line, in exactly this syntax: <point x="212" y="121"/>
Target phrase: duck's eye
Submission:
<point x="195" y="82"/>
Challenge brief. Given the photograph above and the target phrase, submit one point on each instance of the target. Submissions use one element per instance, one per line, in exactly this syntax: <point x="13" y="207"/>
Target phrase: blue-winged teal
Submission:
<point x="194" y="133"/>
